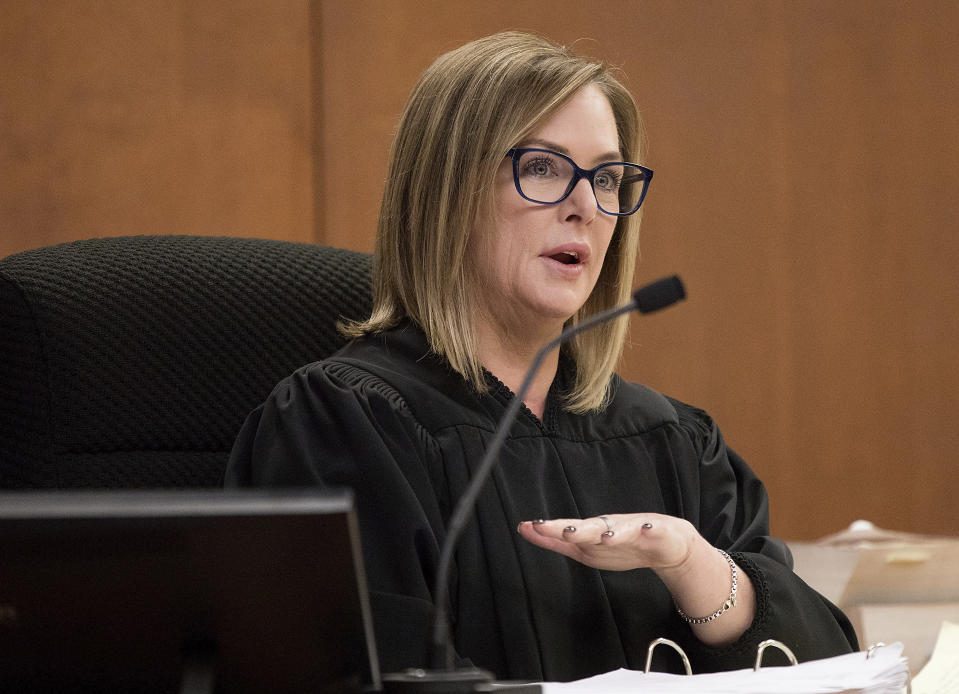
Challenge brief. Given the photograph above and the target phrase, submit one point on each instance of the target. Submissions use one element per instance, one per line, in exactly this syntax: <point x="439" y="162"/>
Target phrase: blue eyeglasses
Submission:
<point x="548" y="177"/>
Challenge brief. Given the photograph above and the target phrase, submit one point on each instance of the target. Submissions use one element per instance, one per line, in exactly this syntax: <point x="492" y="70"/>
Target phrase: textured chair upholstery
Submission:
<point x="133" y="361"/>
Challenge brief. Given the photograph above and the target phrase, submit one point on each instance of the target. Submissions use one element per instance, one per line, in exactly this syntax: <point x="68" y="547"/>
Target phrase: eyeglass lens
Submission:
<point x="545" y="177"/>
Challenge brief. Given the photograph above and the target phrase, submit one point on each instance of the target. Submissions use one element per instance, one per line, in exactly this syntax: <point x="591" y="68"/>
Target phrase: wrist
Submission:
<point x="697" y="559"/>
<point x="702" y="583"/>
<point x="728" y="604"/>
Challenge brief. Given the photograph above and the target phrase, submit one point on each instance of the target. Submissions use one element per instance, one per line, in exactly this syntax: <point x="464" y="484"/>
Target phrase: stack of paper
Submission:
<point x="941" y="674"/>
<point x="884" y="671"/>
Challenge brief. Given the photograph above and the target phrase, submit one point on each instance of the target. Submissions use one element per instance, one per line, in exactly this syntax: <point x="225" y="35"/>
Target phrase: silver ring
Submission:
<point x="609" y="528"/>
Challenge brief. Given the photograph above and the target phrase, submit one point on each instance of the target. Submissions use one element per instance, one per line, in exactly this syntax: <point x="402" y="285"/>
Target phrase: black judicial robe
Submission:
<point x="393" y="421"/>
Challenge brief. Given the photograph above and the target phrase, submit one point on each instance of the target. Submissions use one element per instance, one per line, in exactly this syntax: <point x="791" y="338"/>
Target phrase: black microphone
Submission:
<point x="647" y="299"/>
<point x="659" y="294"/>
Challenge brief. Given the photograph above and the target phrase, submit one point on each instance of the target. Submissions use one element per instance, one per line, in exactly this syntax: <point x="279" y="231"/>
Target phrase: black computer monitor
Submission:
<point x="163" y="591"/>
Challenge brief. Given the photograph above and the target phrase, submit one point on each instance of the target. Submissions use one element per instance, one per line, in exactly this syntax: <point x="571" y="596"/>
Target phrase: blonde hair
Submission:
<point x="468" y="109"/>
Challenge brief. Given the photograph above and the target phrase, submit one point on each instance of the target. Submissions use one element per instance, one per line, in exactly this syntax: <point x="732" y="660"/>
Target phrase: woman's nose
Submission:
<point x="582" y="201"/>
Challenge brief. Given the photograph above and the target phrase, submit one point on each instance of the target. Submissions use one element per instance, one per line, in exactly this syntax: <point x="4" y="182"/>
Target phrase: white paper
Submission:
<point x="941" y="673"/>
<point x="885" y="672"/>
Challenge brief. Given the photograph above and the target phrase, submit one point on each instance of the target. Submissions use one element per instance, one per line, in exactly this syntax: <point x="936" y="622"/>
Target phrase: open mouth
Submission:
<point x="566" y="257"/>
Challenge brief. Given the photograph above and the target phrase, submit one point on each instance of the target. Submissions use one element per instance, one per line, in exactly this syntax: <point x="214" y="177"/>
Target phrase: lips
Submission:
<point x="568" y="254"/>
<point x="566" y="257"/>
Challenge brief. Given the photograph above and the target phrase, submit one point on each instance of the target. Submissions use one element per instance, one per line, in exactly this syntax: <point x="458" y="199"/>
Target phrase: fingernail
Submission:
<point x="569" y="529"/>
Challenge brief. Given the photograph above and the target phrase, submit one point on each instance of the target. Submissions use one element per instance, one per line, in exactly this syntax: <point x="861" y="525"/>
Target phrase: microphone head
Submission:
<point x="659" y="294"/>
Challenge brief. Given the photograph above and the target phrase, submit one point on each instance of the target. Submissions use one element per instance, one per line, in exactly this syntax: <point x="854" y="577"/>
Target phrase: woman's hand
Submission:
<point x="617" y="542"/>
<point x="697" y="576"/>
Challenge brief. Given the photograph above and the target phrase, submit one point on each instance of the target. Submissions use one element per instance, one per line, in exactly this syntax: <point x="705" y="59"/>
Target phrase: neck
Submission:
<point x="508" y="355"/>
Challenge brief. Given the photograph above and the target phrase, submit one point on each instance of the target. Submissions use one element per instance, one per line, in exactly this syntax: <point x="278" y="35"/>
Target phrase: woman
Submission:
<point x="508" y="213"/>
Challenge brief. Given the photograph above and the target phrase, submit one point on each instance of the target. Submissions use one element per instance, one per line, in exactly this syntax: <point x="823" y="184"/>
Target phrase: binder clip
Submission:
<point x="676" y="647"/>
<point x="763" y="645"/>
<point x="759" y="653"/>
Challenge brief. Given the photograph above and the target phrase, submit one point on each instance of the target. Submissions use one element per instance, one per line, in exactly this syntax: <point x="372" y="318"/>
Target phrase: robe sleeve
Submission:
<point x="734" y="515"/>
<point x="334" y="424"/>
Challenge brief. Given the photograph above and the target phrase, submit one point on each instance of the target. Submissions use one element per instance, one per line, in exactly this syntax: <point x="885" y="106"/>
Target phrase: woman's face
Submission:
<point x="538" y="263"/>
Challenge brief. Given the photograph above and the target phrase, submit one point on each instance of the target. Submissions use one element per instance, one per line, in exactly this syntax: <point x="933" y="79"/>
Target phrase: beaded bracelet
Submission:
<point x="730" y="601"/>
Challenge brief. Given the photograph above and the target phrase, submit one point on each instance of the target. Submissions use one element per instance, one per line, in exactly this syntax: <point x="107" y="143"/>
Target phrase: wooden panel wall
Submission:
<point x="806" y="174"/>
<point x="152" y="117"/>
<point x="806" y="166"/>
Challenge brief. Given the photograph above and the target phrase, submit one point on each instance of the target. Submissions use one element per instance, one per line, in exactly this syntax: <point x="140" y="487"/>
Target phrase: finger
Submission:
<point x="556" y="544"/>
<point x="606" y="533"/>
<point x="629" y="530"/>
<point x="588" y="531"/>
<point x="552" y="529"/>
<point x="580" y="531"/>
<point x="558" y="528"/>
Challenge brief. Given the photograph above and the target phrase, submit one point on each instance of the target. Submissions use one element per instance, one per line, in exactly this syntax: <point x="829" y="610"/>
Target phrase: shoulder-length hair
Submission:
<point x="468" y="109"/>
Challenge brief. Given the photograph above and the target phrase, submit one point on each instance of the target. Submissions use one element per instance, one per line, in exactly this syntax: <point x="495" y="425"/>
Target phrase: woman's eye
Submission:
<point x="607" y="180"/>
<point x="539" y="167"/>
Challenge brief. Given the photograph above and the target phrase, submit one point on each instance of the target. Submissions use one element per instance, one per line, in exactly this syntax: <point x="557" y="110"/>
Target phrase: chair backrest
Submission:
<point x="133" y="361"/>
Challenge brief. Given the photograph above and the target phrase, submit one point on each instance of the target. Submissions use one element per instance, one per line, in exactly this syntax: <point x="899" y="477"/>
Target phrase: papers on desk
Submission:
<point x="884" y="671"/>
<point x="941" y="673"/>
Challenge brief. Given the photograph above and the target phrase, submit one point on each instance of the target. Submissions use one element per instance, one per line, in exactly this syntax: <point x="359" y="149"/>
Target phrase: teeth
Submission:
<point x="566" y="257"/>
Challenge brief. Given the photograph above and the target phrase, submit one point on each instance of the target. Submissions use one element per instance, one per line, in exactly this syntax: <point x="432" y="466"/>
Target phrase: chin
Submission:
<point x="567" y="306"/>
<point x="560" y="312"/>
<point x="552" y="305"/>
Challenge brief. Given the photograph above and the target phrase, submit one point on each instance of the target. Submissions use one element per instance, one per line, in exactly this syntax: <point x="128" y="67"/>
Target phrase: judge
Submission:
<point x="615" y="515"/>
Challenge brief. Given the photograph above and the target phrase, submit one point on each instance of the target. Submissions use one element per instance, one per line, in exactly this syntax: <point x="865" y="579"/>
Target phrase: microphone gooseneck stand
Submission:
<point x="444" y="676"/>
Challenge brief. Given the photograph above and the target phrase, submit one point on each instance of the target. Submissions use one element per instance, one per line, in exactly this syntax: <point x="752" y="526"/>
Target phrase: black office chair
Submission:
<point x="132" y="361"/>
